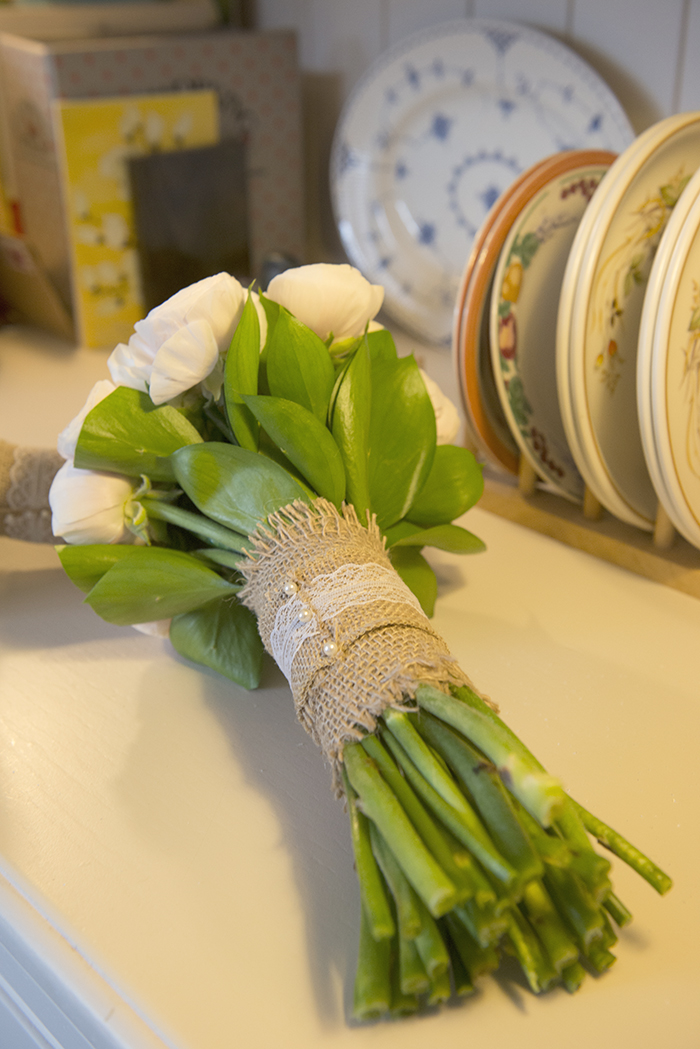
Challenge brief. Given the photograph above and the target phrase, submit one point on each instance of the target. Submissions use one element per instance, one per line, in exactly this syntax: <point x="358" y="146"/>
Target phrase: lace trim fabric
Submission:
<point x="25" y="479"/>
<point x="327" y="598"/>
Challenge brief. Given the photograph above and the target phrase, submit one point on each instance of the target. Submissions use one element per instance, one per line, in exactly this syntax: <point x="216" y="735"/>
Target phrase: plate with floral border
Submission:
<point x="668" y="367"/>
<point x="433" y="134"/>
<point x="524" y="305"/>
<point x="600" y="312"/>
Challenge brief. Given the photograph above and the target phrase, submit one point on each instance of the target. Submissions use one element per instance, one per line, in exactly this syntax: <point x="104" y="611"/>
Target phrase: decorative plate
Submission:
<point x="434" y="133"/>
<point x="485" y="420"/>
<point x="668" y="367"/>
<point x="600" y="312"/>
<point x="524" y="307"/>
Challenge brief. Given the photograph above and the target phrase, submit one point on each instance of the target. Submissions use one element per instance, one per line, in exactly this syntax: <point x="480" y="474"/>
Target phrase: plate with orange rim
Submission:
<point x="523" y="312"/>
<point x="471" y="350"/>
<point x="485" y="422"/>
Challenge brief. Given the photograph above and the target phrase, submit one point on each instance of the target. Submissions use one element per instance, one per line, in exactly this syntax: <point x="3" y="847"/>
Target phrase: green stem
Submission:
<point x="466" y="826"/>
<point x="617" y="910"/>
<point x="477" y="960"/>
<point x="372" y="993"/>
<point x="592" y="868"/>
<point x="419" y="817"/>
<point x="599" y="957"/>
<point x="413" y="978"/>
<point x="422" y="757"/>
<point x="626" y="851"/>
<point x="225" y="558"/>
<point x="431" y="946"/>
<point x="440" y="989"/>
<point x="551" y="848"/>
<point x="573" y="976"/>
<point x="543" y="916"/>
<point x="537" y="968"/>
<point x="407" y="913"/>
<point x="485" y="924"/>
<point x="402" y="1003"/>
<point x="575" y="905"/>
<point x="483" y="784"/>
<point x="380" y="804"/>
<point x="539" y="792"/>
<point x="374" y="898"/>
<point x="197" y="524"/>
<point x="460" y="974"/>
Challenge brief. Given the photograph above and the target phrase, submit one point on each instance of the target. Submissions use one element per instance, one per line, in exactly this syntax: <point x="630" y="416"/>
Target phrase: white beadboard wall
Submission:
<point x="646" y="50"/>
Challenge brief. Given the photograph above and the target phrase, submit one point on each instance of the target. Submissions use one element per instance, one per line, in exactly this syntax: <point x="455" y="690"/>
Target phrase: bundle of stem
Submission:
<point x="465" y="848"/>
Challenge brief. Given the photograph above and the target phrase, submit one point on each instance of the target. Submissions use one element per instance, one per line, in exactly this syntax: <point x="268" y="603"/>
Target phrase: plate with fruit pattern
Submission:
<point x="524" y="306"/>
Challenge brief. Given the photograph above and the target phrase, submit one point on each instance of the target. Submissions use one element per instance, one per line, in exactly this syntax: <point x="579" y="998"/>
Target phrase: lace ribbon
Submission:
<point x="327" y="598"/>
<point x="25" y="478"/>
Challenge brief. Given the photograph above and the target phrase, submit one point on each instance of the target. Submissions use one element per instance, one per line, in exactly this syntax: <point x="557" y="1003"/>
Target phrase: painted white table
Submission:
<point x="174" y="869"/>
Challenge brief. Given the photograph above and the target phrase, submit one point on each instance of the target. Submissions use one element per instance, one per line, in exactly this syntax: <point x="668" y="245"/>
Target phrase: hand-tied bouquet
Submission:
<point x="264" y="470"/>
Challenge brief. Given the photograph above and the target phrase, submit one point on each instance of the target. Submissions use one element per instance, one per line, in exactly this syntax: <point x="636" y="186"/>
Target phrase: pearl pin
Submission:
<point x="290" y="588"/>
<point x="305" y="615"/>
<point x="330" y="648"/>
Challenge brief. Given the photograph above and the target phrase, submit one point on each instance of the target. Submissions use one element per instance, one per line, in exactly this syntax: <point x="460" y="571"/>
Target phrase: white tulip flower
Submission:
<point x="335" y="300"/>
<point x="89" y="507"/>
<point x="68" y="438"/>
<point x="156" y="628"/>
<point x="179" y="343"/>
<point x="447" y="419"/>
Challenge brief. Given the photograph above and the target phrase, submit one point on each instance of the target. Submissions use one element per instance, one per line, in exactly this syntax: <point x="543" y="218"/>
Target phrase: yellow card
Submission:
<point x="99" y="136"/>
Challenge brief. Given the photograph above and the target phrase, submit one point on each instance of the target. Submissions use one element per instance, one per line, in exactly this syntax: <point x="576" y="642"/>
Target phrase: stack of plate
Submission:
<point x="485" y="140"/>
<point x="577" y="327"/>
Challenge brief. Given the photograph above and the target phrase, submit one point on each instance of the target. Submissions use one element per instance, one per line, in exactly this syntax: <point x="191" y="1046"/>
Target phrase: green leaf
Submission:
<point x="155" y="583"/>
<point x="454" y="484"/>
<point x="85" y="565"/>
<point x="270" y="449"/>
<point x="400" y="530"/>
<point x="299" y="367"/>
<point x="304" y="441"/>
<point x="234" y="486"/>
<point x="416" y="574"/>
<point x="125" y="433"/>
<point x="350" y="425"/>
<point x="449" y="537"/>
<point x="224" y="636"/>
<point x="381" y="345"/>
<point x="241" y="376"/>
<point x="402" y="437"/>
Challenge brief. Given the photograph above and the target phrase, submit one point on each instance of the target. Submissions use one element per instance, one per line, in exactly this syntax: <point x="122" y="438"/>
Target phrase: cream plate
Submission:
<point x="669" y="367"/>
<point x="600" y="310"/>
<point x="434" y="133"/>
<point x="523" y="318"/>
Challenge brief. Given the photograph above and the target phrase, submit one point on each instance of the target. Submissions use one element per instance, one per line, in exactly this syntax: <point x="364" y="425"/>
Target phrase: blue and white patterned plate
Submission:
<point x="433" y="134"/>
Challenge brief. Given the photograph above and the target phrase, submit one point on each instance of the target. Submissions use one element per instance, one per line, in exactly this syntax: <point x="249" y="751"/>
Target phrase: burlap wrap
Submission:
<point x="384" y="644"/>
<point x="25" y="478"/>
